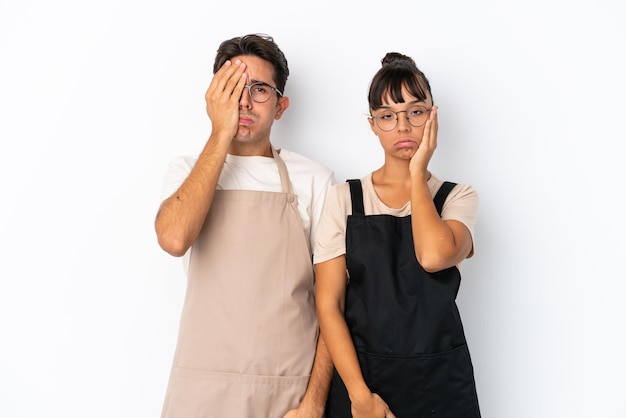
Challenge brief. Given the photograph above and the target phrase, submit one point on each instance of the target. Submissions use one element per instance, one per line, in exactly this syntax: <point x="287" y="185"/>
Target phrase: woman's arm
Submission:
<point x="330" y="299"/>
<point x="438" y="244"/>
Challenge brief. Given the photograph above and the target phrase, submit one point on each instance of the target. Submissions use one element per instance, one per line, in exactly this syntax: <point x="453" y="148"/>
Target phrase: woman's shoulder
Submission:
<point x="343" y="188"/>
<point x="460" y="189"/>
<point x="340" y="191"/>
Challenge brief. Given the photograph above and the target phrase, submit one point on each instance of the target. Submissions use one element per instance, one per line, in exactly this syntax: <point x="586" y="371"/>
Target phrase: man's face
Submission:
<point x="256" y="119"/>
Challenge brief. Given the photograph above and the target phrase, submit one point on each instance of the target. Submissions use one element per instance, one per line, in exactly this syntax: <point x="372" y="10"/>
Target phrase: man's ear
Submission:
<point x="282" y="105"/>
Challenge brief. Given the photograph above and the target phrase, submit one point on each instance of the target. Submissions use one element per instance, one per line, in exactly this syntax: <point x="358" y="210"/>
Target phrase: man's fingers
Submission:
<point x="227" y="81"/>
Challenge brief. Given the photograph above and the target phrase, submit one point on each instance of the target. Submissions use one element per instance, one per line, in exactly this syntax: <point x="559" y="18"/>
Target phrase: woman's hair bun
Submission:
<point x="396" y="57"/>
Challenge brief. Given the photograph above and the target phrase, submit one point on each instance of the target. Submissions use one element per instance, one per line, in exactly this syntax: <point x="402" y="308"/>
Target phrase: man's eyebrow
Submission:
<point x="254" y="81"/>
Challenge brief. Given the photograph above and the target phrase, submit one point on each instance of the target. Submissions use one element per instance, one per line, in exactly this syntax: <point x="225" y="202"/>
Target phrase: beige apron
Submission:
<point x="248" y="328"/>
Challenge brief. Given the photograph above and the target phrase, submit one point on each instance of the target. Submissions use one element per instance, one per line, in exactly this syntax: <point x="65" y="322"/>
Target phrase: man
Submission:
<point x="244" y="214"/>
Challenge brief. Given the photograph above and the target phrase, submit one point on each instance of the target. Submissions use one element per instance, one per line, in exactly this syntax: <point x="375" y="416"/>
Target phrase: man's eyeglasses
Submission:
<point x="388" y="120"/>
<point x="261" y="92"/>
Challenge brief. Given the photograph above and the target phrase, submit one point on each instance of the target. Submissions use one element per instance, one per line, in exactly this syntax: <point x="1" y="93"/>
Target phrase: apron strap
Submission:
<point x="282" y="172"/>
<point x="441" y="195"/>
<point x="357" y="196"/>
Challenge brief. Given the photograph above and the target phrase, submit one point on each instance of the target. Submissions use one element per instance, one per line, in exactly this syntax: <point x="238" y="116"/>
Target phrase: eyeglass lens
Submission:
<point x="260" y="92"/>
<point x="388" y="120"/>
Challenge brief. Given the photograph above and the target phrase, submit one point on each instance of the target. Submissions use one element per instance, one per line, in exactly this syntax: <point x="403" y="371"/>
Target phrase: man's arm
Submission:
<point x="314" y="401"/>
<point x="181" y="216"/>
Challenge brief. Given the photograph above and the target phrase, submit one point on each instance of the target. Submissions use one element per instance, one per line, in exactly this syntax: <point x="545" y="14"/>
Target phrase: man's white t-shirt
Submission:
<point x="310" y="181"/>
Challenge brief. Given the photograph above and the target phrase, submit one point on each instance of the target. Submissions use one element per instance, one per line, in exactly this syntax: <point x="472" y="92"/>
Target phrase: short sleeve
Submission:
<point x="330" y="241"/>
<point x="177" y="172"/>
<point x="462" y="205"/>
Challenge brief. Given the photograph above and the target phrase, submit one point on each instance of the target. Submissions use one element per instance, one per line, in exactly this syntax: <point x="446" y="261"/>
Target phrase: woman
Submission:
<point x="387" y="259"/>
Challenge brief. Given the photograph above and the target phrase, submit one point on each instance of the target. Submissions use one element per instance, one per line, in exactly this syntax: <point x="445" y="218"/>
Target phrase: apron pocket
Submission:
<point x="435" y="385"/>
<point x="203" y="394"/>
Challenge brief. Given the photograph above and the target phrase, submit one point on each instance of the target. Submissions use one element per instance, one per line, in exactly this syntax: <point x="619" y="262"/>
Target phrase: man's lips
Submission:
<point x="245" y="119"/>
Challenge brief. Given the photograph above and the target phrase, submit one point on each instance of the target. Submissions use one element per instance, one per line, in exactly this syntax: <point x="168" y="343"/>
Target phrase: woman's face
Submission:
<point x="400" y="126"/>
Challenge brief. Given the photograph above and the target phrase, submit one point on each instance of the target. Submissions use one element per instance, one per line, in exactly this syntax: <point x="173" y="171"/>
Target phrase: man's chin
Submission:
<point x="243" y="131"/>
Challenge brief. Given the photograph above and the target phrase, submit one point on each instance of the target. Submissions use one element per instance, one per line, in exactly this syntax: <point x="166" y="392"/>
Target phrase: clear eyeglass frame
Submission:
<point x="416" y="116"/>
<point x="262" y="91"/>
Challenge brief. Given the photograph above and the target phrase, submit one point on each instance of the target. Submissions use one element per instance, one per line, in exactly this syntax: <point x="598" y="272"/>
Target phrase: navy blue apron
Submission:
<point x="404" y="321"/>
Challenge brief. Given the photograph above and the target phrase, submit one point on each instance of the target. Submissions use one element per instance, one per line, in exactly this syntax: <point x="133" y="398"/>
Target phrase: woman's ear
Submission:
<point x="372" y="125"/>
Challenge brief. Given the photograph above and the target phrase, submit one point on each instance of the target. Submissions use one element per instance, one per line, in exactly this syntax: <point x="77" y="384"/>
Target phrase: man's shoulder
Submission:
<point x="181" y="165"/>
<point x="303" y="162"/>
<point x="184" y="160"/>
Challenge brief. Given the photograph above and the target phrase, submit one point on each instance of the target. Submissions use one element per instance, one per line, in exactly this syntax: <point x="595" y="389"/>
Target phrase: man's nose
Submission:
<point x="245" y="100"/>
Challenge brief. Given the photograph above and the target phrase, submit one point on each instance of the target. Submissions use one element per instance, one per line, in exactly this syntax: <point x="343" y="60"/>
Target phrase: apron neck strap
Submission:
<point x="282" y="171"/>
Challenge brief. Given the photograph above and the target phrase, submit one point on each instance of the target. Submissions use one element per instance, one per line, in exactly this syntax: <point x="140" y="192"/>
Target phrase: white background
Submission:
<point x="97" y="96"/>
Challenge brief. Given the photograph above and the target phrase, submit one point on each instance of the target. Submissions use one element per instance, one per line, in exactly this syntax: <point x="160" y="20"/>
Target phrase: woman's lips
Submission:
<point x="405" y="143"/>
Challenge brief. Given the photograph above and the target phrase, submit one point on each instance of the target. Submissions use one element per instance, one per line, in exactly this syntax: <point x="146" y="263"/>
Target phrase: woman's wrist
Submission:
<point x="359" y="393"/>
